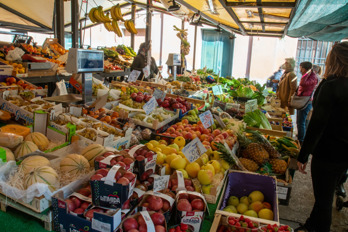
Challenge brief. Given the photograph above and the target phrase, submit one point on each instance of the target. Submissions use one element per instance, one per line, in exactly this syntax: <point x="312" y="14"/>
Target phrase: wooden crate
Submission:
<point x="153" y="85"/>
<point x="50" y="41"/>
<point x="269" y="132"/>
<point x="191" y="100"/>
<point x="38" y="204"/>
<point x="212" y="198"/>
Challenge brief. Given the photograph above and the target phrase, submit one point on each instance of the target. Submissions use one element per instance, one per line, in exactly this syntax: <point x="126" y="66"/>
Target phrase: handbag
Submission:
<point x="299" y="102"/>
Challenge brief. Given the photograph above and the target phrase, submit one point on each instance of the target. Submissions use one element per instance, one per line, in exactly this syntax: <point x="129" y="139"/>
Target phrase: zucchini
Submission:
<point x="286" y="142"/>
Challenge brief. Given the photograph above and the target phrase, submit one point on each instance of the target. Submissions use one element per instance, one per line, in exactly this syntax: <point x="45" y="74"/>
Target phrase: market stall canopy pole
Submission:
<point x="148" y="29"/>
<point x="320" y="20"/>
<point x="74" y="22"/>
<point x="59" y="33"/>
<point x="194" y="49"/>
<point x="133" y="18"/>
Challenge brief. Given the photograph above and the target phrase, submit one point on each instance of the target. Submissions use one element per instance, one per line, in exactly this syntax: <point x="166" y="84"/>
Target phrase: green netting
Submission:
<point x="325" y="20"/>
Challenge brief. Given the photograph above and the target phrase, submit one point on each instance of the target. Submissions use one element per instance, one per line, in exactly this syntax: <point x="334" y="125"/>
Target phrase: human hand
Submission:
<point x="302" y="167"/>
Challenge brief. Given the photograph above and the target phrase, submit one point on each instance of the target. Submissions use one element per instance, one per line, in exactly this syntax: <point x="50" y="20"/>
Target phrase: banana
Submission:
<point x="91" y="15"/>
<point x="107" y="18"/>
<point x="127" y="26"/>
<point x="119" y="13"/>
<point x="112" y="12"/>
<point x="108" y="26"/>
<point x="97" y="15"/>
<point x="132" y="27"/>
<point x="116" y="28"/>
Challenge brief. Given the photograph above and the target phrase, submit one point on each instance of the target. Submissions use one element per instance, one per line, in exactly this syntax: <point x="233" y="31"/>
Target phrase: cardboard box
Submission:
<point x="20" y="114"/>
<point x="242" y="184"/>
<point x="5" y="69"/>
<point x="146" y="167"/>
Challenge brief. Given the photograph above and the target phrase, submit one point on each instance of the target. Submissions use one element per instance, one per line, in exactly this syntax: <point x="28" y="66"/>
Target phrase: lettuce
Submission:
<point x="257" y="119"/>
<point x="245" y="92"/>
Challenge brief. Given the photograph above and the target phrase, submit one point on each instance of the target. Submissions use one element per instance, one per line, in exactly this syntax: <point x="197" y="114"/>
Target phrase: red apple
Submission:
<point x="166" y="206"/>
<point x="124" y="181"/>
<point x="70" y="205"/>
<point x="130" y="176"/>
<point x="197" y="204"/>
<point x="79" y="211"/>
<point x="120" y="163"/>
<point x="118" y="175"/>
<point x="158" y="219"/>
<point x="130" y="223"/>
<point x="160" y="228"/>
<point x="77" y="202"/>
<point x="184" y="205"/>
<point x="133" y="230"/>
<point x="188" y="182"/>
<point x="142" y="228"/>
<point x="126" y="204"/>
<point x="140" y="158"/>
<point x="190" y="188"/>
<point x="85" y="191"/>
<point x="141" y="220"/>
<point x="102" y="172"/>
<point x="128" y="161"/>
<point x="106" y="154"/>
<point x="89" y="213"/>
<point x="155" y="203"/>
<point x="85" y="205"/>
<point x="96" y="177"/>
<point x="183" y="196"/>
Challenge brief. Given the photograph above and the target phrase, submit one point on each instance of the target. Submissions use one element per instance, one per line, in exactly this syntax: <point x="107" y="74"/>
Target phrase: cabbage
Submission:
<point x="245" y="92"/>
<point x="257" y="119"/>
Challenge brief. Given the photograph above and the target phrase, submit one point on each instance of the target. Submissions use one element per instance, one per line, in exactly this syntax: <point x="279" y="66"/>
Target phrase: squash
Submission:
<point x="32" y="162"/>
<point x="39" y="139"/>
<point x="4" y="115"/>
<point x="16" y="129"/>
<point x="93" y="151"/>
<point x="44" y="174"/>
<point x="74" y="164"/>
<point x="9" y="154"/>
<point x="25" y="148"/>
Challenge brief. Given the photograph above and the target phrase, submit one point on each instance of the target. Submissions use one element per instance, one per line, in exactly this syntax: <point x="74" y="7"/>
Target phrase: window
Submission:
<point x="312" y="51"/>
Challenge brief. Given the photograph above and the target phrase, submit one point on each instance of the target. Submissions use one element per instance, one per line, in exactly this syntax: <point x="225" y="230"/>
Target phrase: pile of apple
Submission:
<point x="90" y="213"/>
<point x="122" y="159"/>
<point x="113" y="67"/>
<point x="156" y="203"/>
<point x="142" y="156"/>
<point x="243" y="224"/>
<point x="140" y="97"/>
<point x="189" y="202"/>
<point x="181" y="228"/>
<point x="173" y="182"/>
<point x="121" y="177"/>
<point x="77" y="205"/>
<point x="178" y="103"/>
<point x="137" y="223"/>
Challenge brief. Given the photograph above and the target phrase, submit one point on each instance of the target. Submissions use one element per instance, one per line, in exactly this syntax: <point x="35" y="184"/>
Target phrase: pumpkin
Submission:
<point x="32" y="162"/>
<point x="4" y="115"/>
<point x="25" y="148"/>
<point x="39" y="139"/>
<point x="16" y="129"/>
<point x="8" y="153"/>
<point x="74" y="164"/>
<point x="93" y="151"/>
<point x="44" y="174"/>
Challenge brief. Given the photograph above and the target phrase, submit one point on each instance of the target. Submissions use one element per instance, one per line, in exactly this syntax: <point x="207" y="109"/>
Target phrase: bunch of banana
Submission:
<point x="130" y="26"/>
<point x="108" y="26"/>
<point x="116" y="12"/>
<point x="97" y="15"/>
<point x="116" y="28"/>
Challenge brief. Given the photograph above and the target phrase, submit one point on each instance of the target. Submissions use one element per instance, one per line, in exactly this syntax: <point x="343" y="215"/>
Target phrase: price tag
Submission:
<point x="217" y="90"/>
<point x="158" y="94"/>
<point x="193" y="150"/>
<point x="160" y="182"/>
<point x="251" y="105"/>
<point x="146" y="71"/>
<point x="133" y="76"/>
<point x="265" y="92"/>
<point x="3" y="155"/>
<point x="206" y="119"/>
<point x="100" y="226"/>
<point x="282" y="192"/>
<point x="150" y="105"/>
<point x="76" y="111"/>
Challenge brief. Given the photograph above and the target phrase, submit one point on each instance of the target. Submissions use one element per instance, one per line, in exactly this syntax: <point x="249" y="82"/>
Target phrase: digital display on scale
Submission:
<point x="90" y="60"/>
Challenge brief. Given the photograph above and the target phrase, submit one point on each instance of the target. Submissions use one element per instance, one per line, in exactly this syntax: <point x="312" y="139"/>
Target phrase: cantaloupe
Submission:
<point x="39" y="139"/>
<point x="25" y="148"/>
<point x="44" y="174"/>
<point x="4" y="115"/>
<point x="74" y="164"/>
<point x="93" y="151"/>
<point x="16" y="129"/>
<point x="32" y="162"/>
<point x="9" y="154"/>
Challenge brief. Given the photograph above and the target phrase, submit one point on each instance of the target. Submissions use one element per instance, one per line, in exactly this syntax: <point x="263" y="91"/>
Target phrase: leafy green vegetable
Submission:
<point x="245" y="92"/>
<point x="259" y="97"/>
<point x="257" y="119"/>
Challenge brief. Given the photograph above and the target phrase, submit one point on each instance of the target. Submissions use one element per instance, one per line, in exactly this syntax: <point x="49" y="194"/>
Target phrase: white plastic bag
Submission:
<point x="15" y="55"/>
<point x="60" y="89"/>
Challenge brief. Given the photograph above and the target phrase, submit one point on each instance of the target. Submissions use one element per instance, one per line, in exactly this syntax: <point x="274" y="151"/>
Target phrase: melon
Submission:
<point x="9" y="154"/>
<point x="44" y="174"/>
<point x="25" y="148"/>
<point x="39" y="139"/>
<point x="93" y="151"/>
<point x="74" y="164"/>
<point x="4" y="115"/>
<point x="32" y="162"/>
<point x="16" y="129"/>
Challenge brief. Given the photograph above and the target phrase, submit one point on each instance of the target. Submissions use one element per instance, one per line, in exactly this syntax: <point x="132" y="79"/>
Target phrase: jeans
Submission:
<point x="301" y="121"/>
<point x="325" y="177"/>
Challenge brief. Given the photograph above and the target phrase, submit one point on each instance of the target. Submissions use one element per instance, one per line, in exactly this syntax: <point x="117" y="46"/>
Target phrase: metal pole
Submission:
<point x="161" y="40"/>
<point x="194" y="49"/>
<point x="81" y="42"/>
<point x="148" y="29"/>
<point x="133" y="18"/>
<point x="250" y="49"/>
<point x="60" y="21"/>
<point x="75" y="23"/>
<point x="181" y="51"/>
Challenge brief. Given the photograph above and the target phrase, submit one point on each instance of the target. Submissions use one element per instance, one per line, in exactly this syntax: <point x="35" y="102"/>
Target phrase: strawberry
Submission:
<point x="184" y="226"/>
<point x="232" y="222"/>
<point x="247" y="220"/>
<point x="177" y="229"/>
<point x="269" y="227"/>
<point x="237" y="224"/>
<point x="251" y="225"/>
<point x="172" y="230"/>
<point x="241" y="218"/>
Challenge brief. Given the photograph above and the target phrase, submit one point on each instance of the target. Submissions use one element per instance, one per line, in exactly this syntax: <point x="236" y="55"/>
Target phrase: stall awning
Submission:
<point x="320" y="20"/>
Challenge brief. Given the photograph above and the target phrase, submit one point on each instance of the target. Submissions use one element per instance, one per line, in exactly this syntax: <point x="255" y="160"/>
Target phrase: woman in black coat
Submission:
<point x="327" y="138"/>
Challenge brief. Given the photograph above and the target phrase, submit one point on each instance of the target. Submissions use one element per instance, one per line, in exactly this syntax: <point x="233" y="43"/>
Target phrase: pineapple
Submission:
<point x="279" y="166"/>
<point x="257" y="137"/>
<point x="249" y="164"/>
<point x="257" y="153"/>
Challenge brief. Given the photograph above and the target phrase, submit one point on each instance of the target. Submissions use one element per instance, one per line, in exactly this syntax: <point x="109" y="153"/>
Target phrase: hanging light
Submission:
<point x="174" y="7"/>
<point x="196" y="19"/>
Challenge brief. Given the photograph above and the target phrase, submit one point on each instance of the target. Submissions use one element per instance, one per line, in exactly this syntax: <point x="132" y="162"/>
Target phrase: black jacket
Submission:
<point x="327" y="134"/>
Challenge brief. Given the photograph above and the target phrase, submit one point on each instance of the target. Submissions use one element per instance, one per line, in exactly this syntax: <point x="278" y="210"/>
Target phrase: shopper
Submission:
<point x="307" y="85"/>
<point x="317" y="70"/>
<point x="287" y="84"/>
<point x="139" y="62"/>
<point x="327" y="138"/>
<point x="274" y="79"/>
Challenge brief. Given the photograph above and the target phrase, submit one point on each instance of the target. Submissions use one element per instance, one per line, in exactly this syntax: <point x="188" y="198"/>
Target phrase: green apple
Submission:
<point x="250" y="213"/>
<point x="244" y="200"/>
<point x="230" y="208"/>
<point x="233" y="200"/>
<point x="206" y="189"/>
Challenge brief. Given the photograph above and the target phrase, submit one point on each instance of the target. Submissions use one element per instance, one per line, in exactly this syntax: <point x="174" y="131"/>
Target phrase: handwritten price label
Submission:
<point x="150" y="105"/>
<point x="158" y="94"/>
<point x="160" y="182"/>
<point x="146" y="71"/>
<point x="193" y="150"/>
<point x="206" y="119"/>
<point x="250" y="106"/>
<point x="217" y="90"/>
<point x="133" y="76"/>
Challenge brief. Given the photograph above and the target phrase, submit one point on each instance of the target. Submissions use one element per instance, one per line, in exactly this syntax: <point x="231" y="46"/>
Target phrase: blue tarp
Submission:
<point x="325" y="20"/>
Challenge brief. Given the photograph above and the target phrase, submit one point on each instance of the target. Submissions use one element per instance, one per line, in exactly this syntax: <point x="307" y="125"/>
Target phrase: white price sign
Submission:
<point x="133" y="76"/>
<point x="146" y="71"/>
<point x="217" y="90"/>
<point x="158" y="94"/>
<point x="150" y="105"/>
<point x="160" y="182"/>
<point x="250" y="106"/>
<point x="193" y="150"/>
<point x="206" y="119"/>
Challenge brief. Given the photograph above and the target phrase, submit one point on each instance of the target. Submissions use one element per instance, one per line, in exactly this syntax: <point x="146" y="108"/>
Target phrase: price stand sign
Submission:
<point x="206" y="119"/>
<point x="133" y="76"/>
<point x="251" y="105"/>
<point x="217" y="90"/>
<point x="158" y="94"/>
<point x="193" y="150"/>
<point x="150" y="105"/>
